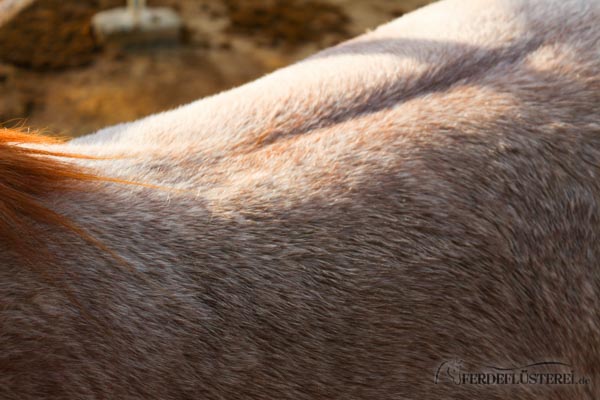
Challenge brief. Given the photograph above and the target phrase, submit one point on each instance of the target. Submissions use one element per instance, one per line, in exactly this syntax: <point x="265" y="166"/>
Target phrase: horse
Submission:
<point x="411" y="214"/>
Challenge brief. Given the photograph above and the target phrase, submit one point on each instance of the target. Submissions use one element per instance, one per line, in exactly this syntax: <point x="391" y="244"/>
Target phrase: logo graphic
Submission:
<point x="538" y="373"/>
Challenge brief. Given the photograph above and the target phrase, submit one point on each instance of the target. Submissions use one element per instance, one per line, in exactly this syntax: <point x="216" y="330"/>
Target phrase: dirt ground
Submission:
<point x="55" y="75"/>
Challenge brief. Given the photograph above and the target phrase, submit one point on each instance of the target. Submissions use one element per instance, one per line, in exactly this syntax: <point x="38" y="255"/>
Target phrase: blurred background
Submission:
<point x="70" y="67"/>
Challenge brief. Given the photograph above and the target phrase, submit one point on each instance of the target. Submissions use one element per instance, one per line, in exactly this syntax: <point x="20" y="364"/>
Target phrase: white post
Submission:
<point x="135" y="8"/>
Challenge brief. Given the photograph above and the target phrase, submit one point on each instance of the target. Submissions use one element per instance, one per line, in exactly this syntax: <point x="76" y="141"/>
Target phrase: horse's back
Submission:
<point x="342" y="228"/>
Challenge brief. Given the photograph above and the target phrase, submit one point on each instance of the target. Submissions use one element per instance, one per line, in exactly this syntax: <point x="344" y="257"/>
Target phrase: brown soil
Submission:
<point x="49" y="34"/>
<point x="275" y="22"/>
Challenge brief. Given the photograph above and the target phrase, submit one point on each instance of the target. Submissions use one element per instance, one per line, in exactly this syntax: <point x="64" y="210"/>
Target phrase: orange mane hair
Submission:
<point x="26" y="176"/>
